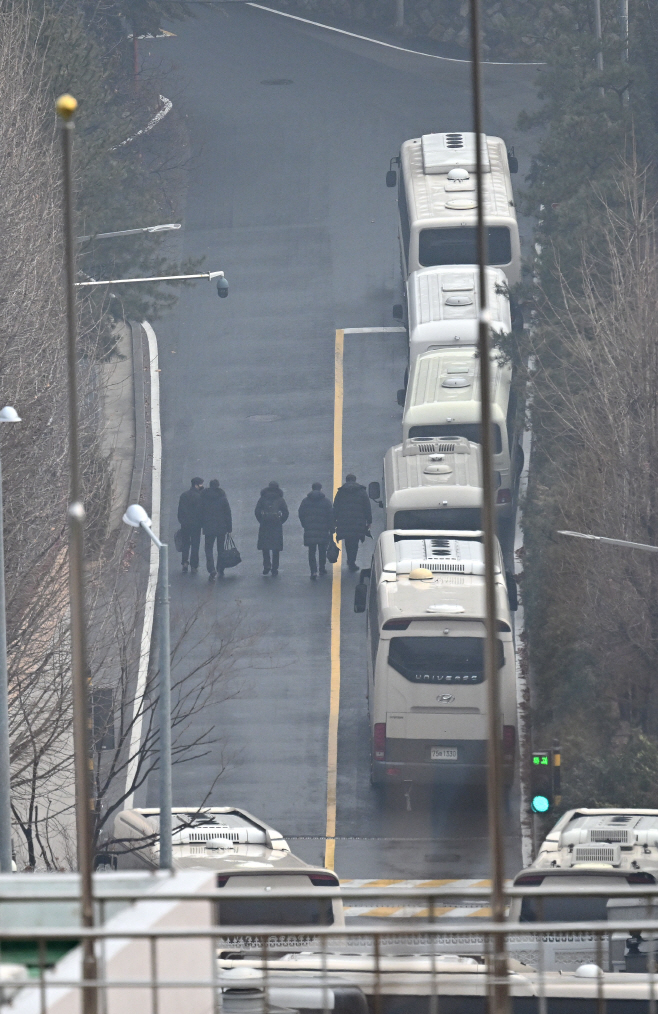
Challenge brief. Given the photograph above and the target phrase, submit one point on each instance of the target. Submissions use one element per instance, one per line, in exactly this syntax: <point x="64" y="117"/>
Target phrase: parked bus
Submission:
<point x="427" y="698"/>
<point x="443" y="306"/>
<point x="442" y="403"/>
<point x="438" y="207"/>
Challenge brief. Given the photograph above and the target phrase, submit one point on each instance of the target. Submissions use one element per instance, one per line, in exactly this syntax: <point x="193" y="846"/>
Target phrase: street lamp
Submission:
<point x="130" y="232"/>
<point x="66" y="106"/>
<point x="612" y="542"/>
<point x="222" y="284"/>
<point x="137" y="517"/>
<point x="10" y="415"/>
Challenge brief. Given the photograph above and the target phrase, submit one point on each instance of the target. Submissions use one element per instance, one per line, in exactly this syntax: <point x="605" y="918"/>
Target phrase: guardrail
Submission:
<point x="167" y="951"/>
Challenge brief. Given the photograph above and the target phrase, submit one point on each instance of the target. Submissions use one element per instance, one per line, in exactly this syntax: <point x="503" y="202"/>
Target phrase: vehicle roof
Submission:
<point x="610" y="841"/>
<point x="443" y="303"/>
<point x="225" y="839"/>
<point x="425" y="481"/>
<point x="429" y="400"/>
<point x="455" y="591"/>
<point x="429" y="194"/>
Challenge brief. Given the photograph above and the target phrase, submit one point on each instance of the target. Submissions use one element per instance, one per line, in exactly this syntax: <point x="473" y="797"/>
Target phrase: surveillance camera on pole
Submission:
<point x="222" y="287"/>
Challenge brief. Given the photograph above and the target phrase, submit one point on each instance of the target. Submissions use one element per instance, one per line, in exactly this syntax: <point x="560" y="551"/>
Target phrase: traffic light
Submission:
<point x="543" y="781"/>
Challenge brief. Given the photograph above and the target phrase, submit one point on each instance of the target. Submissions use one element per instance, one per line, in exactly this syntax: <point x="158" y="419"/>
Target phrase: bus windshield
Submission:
<point x="459" y="246"/>
<point x="440" y="659"/>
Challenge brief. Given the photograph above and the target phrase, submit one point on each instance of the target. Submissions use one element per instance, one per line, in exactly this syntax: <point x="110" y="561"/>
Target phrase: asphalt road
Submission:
<point x="292" y="129"/>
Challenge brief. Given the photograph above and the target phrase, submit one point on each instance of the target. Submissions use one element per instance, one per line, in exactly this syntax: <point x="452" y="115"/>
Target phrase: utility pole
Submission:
<point x="500" y="985"/>
<point x="623" y="25"/>
<point x="399" y="15"/>
<point x="66" y="106"/>
<point x="599" y="38"/>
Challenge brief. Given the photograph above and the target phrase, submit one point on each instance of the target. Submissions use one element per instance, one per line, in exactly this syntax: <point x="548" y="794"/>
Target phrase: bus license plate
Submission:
<point x="444" y="753"/>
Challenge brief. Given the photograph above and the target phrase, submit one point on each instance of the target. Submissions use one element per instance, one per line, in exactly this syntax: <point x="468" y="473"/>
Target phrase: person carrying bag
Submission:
<point x="230" y="554"/>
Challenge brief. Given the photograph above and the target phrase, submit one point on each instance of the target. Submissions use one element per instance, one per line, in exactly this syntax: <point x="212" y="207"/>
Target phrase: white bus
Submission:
<point x="442" y="402"/>
<point x="438" y="207"/>
<point x="427" y="697"/>
<point x="443" y="303"/>
<point x="438" y="490"/>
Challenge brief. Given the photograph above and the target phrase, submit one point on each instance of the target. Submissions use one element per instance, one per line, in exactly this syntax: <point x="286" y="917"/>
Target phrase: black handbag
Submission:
<point x="332" y="552"/>
<point x="230" y="553"/>
<point x="178" y="540"/>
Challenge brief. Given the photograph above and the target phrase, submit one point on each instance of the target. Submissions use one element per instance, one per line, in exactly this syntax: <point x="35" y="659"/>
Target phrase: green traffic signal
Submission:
<point x="540" y="804"/>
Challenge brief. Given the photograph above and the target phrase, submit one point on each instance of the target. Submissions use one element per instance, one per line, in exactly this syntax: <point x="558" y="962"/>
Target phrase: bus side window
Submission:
<point x="373" y="620"/>
<point x="404" y="215"/>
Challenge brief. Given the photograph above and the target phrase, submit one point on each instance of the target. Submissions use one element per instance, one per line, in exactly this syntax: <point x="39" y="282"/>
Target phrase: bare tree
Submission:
<point x="594" y="623"/>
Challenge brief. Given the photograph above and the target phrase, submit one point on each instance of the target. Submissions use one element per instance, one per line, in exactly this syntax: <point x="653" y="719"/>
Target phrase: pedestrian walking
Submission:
<point x="271" y="513"/>
<point x="216" y="522"/>
<point x="189" y="519"/>
<point x="352" y="517"/>
<point x="316" y="515"/>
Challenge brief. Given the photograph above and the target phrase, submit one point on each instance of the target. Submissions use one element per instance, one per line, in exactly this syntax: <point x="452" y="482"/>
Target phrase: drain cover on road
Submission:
<point x="278" y="81"/>
<point x="263" y="418"/>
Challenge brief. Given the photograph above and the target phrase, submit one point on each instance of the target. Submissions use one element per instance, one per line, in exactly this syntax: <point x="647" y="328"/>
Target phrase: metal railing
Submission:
<point x="166" y="950"/>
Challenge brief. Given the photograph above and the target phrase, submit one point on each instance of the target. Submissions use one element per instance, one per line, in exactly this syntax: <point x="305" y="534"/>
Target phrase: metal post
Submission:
<point x="599" y="38"/>
<point x="165" y="713"/>
<point x="500" y="988"/>
<point x="66" y="106"/>
<point x="623" y="25"/>
<point x="5" y="787"/>
<point x="399" y="14"/>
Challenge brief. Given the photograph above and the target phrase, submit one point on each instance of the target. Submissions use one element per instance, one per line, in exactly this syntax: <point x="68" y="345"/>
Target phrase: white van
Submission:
<point x="443" y="304"/>
<point x="442" y="402"/>
<point x="438" y="491"/>
<point x="437" y="202"/>
<point x="427" y="697"/>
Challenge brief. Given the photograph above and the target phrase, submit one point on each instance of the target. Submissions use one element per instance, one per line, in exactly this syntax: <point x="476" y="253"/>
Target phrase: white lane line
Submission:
<point x="374" y="330"/>
<point x="147" y="626"/>
<point x="389" y="45"/>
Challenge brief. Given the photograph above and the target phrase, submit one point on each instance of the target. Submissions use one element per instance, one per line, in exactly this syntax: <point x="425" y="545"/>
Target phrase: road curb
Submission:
<point x="151" y="405"/>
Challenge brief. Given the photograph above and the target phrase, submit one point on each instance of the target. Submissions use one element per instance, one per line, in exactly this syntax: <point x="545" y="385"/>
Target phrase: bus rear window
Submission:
<point x="462" y="519"/>
<point x="472" y="431"/>
<point x="459" y="246"/>
<point x="440" y="659"/>
<point x="572" y="908"/>
<point x="275" y="912"/>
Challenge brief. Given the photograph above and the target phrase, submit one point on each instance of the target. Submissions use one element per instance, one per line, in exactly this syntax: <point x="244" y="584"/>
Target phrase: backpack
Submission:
<point x="270" y="513"/>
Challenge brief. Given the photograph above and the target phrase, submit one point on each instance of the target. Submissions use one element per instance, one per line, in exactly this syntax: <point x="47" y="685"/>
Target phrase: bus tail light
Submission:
<point x="509" y="744"/>
<point x="504" y="496"/>
<point x="379" y="741"/>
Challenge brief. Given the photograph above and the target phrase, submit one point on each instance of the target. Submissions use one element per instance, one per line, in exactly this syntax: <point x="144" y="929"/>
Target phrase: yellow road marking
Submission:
<point x="334" y="695"/>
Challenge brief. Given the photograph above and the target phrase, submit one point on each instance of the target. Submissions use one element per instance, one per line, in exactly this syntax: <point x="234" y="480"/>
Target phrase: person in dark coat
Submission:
<point x="352" y="517"/>
<point x="316" y="516"/>
<point x="216" y="522"/>
<point x="189" y="519"/>
<point x="271" y="513"/>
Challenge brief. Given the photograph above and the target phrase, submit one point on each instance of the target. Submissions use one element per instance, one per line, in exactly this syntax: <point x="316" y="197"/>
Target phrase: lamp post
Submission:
<point x="499" y="1003"/>
<point x="66" y="106"/>
<point x="222" y="284"/>
<point x="137" y="517"/>
<point x="130" y="232"/>
<point x="612" y="542"/>
<point x="10" y="415"/>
